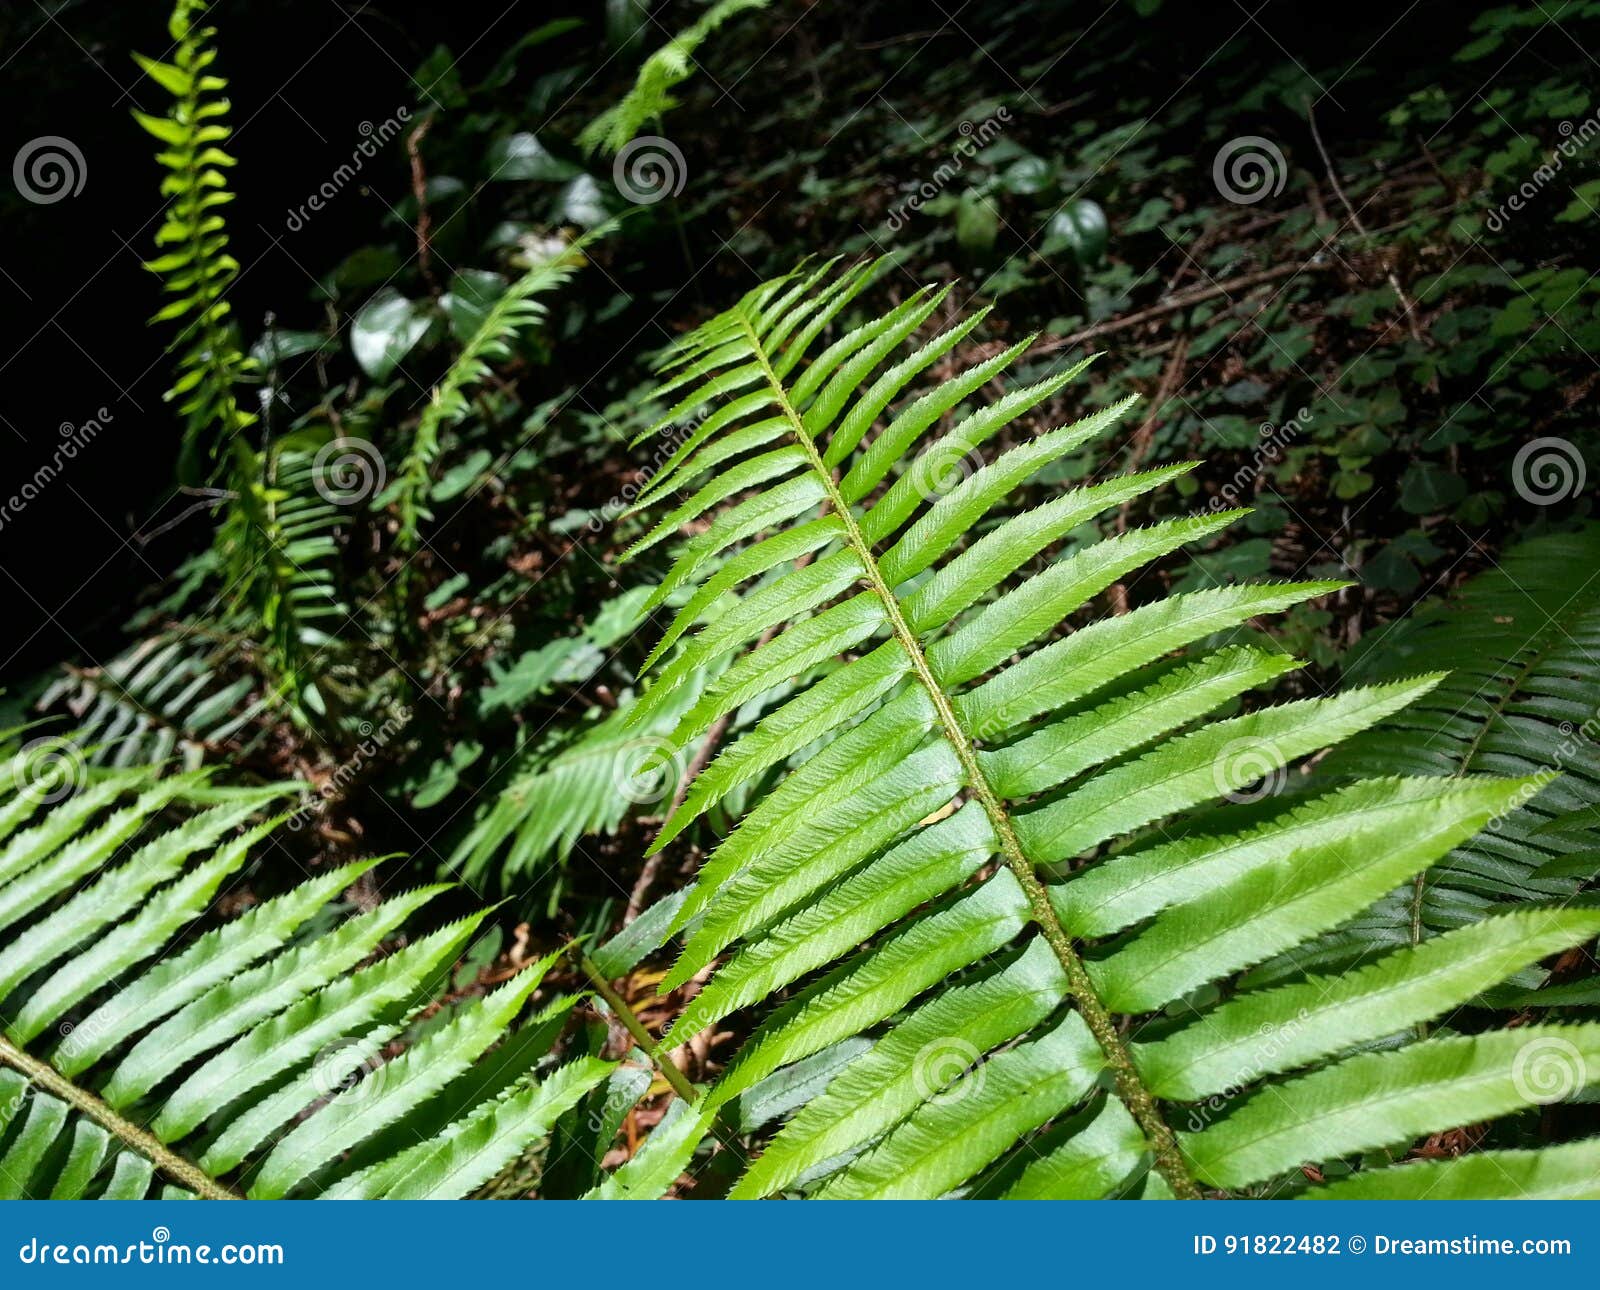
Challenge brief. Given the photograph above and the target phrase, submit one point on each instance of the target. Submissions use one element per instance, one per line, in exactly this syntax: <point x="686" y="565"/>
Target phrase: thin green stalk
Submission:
<point x="1130" y="1087"/>
<point x="636" y="1029"/>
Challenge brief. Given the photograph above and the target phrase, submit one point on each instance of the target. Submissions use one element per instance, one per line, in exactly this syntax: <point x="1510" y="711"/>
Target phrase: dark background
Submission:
<point x="305" y="75"/>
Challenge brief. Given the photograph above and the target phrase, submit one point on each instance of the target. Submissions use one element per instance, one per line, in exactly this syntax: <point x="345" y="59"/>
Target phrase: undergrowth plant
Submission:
<point x="195" y="266"/>
<point x="275" y="535"/>
<point x="515" y="310"/>
<point x="166" y="694"/>
<point x="1005" y="840"/>
<point x="651" y="96"/>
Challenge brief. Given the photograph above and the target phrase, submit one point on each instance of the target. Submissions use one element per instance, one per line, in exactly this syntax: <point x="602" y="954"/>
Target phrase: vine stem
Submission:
<point x="45" y="1077"/>
<point x="636" y="1030"/>
<point x="1130" y="1087"/>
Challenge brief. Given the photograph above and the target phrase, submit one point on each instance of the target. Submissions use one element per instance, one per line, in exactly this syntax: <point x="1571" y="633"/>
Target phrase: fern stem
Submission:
<point x="1130" y="1087"/>
<point x="636" y="1029"/>
<point x="44" y="1076"/>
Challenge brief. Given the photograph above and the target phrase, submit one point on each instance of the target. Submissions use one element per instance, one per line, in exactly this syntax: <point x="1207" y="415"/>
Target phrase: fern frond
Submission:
<point x="279" y="543"/>
<point x="650" y="98"/>
<point x="997" y="835"/>
<point x="1521" y="699"/>
<point x="167" y="694"/>
<point x="254" y="1056"/>
<point x="194" y="264"/>
<point x="516" y="310"/>
<point x="274" y="536"/>
<point x="586" y="789"/>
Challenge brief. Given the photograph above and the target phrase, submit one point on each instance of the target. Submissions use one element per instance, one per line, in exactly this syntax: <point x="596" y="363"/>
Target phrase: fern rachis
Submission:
<point x="1100" y="1023"/>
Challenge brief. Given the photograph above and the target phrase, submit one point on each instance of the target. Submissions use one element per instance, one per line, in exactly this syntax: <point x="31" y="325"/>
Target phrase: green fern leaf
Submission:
<point x="180" y="1057"/>
<point x="962" y="779"/>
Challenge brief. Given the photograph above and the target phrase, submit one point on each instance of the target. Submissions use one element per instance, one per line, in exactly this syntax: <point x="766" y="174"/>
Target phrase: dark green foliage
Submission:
<point x="651" y="96"/>
<point x="166" y="695"/>
<point x="1002" y="889"/>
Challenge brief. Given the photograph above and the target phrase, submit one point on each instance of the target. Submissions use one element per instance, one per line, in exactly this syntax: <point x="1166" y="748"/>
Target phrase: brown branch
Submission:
<point x="419" y="189"/>
<point x="1182" y="300"/>
<point x="1407" y="304"/>
<point x="1140" y="444"/>
<point x="702" y="758"/>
